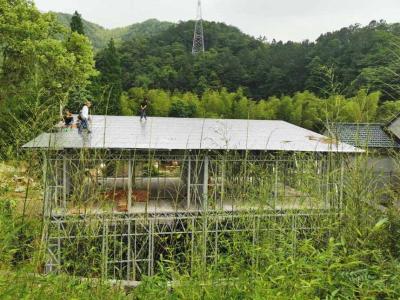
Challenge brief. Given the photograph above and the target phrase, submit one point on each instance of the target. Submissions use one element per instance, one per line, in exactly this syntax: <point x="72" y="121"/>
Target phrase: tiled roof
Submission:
<point x="365" y="135"/>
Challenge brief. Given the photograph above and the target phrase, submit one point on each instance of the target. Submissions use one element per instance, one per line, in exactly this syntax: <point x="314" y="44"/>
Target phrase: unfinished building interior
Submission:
<point x="132" y="193"/>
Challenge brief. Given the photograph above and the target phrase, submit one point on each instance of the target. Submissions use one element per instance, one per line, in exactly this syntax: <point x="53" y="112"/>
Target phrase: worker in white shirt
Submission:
<point x="84" y="117"/>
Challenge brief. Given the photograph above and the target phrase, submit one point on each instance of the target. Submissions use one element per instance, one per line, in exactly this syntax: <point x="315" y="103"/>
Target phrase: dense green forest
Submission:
<point x="264" y="79"/>
<point x="341" y="62"/>
<point x="157" y="54"/>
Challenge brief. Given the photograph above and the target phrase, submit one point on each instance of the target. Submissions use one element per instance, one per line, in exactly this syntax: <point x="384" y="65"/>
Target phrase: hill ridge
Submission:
<point x="99" y="35"/>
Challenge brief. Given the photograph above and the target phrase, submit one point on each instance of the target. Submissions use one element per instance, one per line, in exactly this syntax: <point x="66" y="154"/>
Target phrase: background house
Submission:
<point x="381" y="141"/>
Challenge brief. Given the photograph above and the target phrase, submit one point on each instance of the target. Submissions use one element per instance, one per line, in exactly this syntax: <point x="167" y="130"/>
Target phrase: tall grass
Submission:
<point x="351" y="253"/>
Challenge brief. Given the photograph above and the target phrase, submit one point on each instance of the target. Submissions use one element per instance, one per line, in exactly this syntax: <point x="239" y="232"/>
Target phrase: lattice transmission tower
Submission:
<point x="198" y="38"/>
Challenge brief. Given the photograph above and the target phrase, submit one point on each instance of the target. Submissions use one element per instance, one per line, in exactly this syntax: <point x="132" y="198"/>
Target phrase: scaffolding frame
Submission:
<point x="135" y="251"/>
<point x="129" y="245"/>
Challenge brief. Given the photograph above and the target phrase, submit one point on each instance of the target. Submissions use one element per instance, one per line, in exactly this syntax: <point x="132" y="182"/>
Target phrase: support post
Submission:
<point x="65" y="183"/>
<point x="341" y="185"/>
<point x="129" y="259"/>
<point x="130" y="185"/>
<point x="276" y="184"/>
<point x="46" y="201"/>
<point x="135" y="252"/>
<point x="192" y="231"/>
<point x="205" y="183"/>
<point x="328" y="188"/>
<point x="58" y="246"/>
<point x="56" y="184"/>
<point x="151" y="248"/>
<point x="48" y="186"/>
<point x="46" y="216"/>
<point x="205" y="209"/>
<point x="104" y="249"/>
<point x="216" y="239"/>
<point x="254" y="242"/>
<point x="294" y="232"/>
<point x="223" y="183"/>
<point x="189" y="174"/>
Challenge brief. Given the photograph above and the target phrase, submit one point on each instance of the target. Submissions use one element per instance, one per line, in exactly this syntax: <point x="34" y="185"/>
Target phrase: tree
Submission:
<point x="181" y="109"/>
<point x="363" y="107"/>
<point x="388" y="110"/>
<point x="240" y="106"/>
<point x="159" y="102"/>
<point x="213" y="105"/>
<point x="130" y="101"/>
<point x="83" y="68"/>
<point x="41" y="66"/>
<point x="109" y="82"/>
<point x="77" y="24"/>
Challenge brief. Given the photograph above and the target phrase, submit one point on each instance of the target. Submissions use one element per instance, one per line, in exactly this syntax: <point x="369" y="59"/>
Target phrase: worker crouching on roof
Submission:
<point x="84" y="117"/>
<point x="68" y="119"/>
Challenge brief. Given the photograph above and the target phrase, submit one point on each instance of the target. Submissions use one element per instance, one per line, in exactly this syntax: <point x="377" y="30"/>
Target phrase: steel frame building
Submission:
<point x="197" y="188"/>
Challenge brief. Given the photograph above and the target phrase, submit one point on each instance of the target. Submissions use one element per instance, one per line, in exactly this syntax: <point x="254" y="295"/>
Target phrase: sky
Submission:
<point x="295" y="20"/>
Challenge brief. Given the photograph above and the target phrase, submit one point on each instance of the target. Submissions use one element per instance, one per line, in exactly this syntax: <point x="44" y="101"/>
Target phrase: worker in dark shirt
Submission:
<point x="143" y="109"/>
<point x="68" y="119"/>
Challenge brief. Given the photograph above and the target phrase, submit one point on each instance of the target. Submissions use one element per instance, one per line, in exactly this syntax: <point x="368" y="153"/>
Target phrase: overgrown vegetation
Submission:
<point x="353" y="254"/>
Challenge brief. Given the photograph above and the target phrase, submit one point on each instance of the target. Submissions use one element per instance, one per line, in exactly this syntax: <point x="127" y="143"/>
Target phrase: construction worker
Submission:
<point x="84" y="117"/>
<point x="68" y="119"/>
<point x="143" y="108"/>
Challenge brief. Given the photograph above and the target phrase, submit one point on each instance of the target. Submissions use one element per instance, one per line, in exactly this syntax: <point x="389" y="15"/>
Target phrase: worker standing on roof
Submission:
<point x="143" y="109"/>
<point x="84" y="117"/>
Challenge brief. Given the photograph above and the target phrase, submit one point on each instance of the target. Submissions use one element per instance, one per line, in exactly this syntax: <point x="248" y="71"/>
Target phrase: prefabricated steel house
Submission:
<point x="131" y="189"/>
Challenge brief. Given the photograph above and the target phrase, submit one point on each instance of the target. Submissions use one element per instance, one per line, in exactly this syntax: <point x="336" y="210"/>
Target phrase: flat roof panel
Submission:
<point x="118" y="132"/>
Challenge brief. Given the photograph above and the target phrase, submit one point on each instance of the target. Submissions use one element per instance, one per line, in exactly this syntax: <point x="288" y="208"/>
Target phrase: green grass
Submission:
<point x="355" y="256"/>
<point x="23" y="285"/>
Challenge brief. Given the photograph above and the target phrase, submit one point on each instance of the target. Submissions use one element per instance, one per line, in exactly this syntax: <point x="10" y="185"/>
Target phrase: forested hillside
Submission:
<point x="348" y="75"/>
<point x="99" y="36"/>
<point x="156" y="54"/>
<point x="339" y="62"/>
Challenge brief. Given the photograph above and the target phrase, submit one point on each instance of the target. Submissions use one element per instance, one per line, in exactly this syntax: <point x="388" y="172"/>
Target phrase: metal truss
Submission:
<point x="198" y="37"/>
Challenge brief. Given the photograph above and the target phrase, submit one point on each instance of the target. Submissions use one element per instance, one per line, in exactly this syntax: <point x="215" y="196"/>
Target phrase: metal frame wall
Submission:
<point x="128" y="246"/>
